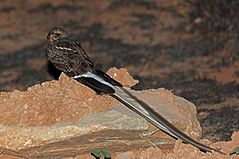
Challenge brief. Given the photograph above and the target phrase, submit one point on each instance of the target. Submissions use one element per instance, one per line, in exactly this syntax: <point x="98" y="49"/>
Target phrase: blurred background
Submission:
<point x="190" y="47"/>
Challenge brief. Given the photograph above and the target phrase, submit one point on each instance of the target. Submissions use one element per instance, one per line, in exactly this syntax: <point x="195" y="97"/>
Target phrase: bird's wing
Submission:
<point x="97" y="86"/>
<point x="69" y="57"/>
<point x="80" y="49"/>
<point x="106" y="77"/>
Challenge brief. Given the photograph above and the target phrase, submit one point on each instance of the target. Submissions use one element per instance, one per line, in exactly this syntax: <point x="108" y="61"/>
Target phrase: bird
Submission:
<point x="67" y="55"/>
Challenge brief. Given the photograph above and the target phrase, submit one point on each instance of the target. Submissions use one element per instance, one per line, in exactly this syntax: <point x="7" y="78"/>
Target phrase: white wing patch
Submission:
<point x="64" y="48"/>
<point x="97" y="78"/>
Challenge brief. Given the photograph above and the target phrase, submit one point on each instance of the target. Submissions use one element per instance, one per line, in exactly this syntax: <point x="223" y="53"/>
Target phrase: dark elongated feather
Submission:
<point x="95" y="85"/>
<point x="107" y="78"/>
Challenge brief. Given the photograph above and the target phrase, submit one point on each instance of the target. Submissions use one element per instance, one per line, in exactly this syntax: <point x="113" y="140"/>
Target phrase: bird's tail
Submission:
<point x="143" y="109"/>
<point x="126" y="98"/>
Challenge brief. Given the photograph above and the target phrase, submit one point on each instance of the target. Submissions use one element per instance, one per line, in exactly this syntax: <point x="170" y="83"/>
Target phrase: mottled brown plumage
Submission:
<point x="67" y="54"/>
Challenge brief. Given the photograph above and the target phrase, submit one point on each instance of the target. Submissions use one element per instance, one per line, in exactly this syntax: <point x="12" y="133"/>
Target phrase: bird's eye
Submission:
<point x="57" y="34"/>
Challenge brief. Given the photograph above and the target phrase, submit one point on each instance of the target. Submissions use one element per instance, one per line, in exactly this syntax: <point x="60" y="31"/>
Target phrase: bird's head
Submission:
<point x="56" y="34"/>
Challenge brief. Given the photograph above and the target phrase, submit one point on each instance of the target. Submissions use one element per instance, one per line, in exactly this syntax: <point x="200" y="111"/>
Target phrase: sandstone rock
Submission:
<point x="65" y="118"/>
